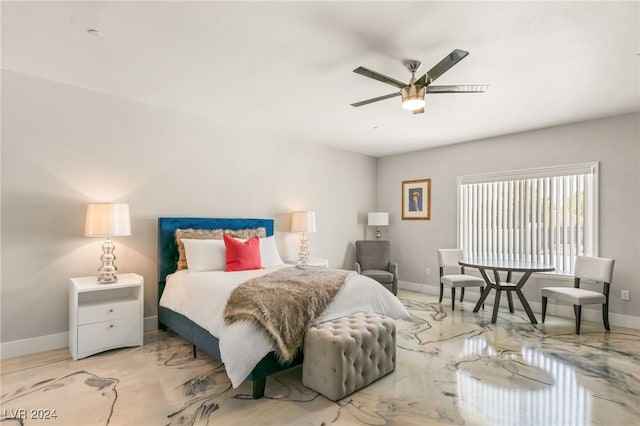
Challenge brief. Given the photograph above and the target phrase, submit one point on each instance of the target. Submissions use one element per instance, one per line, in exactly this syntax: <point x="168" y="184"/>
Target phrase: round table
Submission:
<point x="509" y="266"/>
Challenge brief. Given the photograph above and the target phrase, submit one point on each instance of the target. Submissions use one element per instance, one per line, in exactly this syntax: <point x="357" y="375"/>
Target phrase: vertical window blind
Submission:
<point x="547" y="215"/>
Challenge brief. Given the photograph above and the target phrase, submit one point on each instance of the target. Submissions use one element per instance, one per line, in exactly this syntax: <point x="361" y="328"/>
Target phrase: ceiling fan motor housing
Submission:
<point x="413" y="97"/>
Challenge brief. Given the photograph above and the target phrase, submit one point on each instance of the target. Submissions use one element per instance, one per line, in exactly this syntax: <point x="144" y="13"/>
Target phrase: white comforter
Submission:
<point x="202" y="296"/>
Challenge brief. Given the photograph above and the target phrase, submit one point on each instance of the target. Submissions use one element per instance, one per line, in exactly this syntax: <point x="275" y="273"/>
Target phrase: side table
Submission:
<point x="105" y="316"/>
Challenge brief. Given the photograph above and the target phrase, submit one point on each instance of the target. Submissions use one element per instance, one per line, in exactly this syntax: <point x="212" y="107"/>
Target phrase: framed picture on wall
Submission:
<point x="416" y="199"/>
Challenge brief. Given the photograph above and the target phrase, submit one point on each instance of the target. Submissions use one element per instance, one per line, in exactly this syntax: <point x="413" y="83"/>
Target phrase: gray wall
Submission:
<point x="64" y="147"/>
<point x="614" y="142"/>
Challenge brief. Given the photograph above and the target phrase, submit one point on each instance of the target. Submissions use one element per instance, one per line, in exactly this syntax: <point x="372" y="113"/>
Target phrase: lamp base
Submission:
<point x="378" y="233"/>
<point x="303" y="259"/>
<point x="106" y="277"/>
<point x="107" y="271"/>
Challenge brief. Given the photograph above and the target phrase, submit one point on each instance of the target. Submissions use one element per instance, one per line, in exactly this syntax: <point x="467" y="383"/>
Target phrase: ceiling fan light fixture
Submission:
<point x="413" y="97"/>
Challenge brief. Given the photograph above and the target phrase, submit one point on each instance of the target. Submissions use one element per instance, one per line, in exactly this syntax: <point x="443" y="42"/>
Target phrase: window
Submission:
<point x="547" y="215"/>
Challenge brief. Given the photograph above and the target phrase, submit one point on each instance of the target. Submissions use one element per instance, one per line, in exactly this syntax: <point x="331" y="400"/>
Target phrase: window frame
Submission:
<point x="589" y="168"/>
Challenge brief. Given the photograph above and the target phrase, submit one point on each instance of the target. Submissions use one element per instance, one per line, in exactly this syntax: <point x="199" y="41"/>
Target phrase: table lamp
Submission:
<point x="378" y="219"/>
<point x="303" y="222"/>
<point x="107" y="220"/>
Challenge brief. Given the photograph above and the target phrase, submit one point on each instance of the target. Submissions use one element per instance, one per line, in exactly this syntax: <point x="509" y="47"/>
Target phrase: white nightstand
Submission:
<point x="316" y="262"/>
<point x="105" y="316"/>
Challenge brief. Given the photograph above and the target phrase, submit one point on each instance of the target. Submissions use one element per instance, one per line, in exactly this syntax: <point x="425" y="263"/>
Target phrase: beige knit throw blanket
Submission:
<point x="285" y="303"/>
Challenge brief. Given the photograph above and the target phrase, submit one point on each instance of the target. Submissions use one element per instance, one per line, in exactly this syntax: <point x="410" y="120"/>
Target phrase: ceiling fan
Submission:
<point x="413" y="93"/>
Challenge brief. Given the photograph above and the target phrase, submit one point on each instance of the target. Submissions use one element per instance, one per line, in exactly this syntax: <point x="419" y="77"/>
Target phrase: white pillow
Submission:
<point x="269" y="252"/>
<point x="205" y="255"/>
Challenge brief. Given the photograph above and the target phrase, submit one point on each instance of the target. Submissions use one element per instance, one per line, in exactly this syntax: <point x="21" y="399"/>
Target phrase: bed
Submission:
<point x="191" y="325"/>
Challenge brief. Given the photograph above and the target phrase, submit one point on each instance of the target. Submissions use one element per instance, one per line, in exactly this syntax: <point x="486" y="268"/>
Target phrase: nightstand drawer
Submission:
<point x="107" y="311"/>
<point x="108" y="334"/>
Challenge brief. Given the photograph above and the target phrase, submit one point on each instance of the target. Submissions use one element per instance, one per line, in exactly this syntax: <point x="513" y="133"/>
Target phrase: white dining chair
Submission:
<point x="597" y="269"/>
<point x="447" y="260"/>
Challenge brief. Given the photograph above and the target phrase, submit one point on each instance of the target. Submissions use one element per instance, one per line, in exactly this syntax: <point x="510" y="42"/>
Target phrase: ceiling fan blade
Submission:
<point x="463" y="88"/>
<point x="418" y="111"/>
<point x="372" y="100"/>
<point x="380" y="77"/>
<point x="443" y="66"/>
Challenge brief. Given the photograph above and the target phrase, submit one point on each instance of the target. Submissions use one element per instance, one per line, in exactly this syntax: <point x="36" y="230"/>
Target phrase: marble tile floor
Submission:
<point x="454" y="368"/>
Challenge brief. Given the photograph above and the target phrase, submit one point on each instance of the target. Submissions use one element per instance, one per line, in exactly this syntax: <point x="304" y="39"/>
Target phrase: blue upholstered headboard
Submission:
<point x="168" y="249"/>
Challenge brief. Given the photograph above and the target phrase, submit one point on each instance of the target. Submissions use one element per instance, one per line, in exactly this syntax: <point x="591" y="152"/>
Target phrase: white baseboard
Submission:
<point x="593" y="315"/>
<point x="34" y="345"/>
<point x="51" y="342"/>
<point x="565" y="311"/>
<point x="61" y="340"/>
<point x="151" y="323"/>
<point x="419" y="288"/>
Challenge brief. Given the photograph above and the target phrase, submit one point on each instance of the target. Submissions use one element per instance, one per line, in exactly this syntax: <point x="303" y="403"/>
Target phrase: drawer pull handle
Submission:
<point x="110" y="325"/>
<point x="111" y="310"/>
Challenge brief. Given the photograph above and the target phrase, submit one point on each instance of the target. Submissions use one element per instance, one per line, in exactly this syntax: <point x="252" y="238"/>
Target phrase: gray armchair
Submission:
<point x="373" y="259"/>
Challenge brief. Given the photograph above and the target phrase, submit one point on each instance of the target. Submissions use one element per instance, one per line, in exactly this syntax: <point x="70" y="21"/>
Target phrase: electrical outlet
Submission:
<point x="427" y="271"/>
<point x="624" y="294"/>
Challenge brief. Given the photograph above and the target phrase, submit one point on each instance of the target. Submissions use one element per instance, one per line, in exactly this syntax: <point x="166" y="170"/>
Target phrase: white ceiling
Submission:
<point x="547" y="63"/>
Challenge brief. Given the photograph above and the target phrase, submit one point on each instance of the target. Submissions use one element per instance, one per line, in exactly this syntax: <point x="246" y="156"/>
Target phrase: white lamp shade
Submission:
<point x="303" y="222"/>
<point x="107" y="220"/>
<point x="378" y="219"/>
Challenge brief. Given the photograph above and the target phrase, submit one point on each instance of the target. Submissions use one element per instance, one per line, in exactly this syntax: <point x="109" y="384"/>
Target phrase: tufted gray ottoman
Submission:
<point x="348" y="353"/>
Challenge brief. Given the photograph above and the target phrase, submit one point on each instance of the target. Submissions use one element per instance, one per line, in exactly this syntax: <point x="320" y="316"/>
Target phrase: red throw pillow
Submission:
<point x="242" y="255"/>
